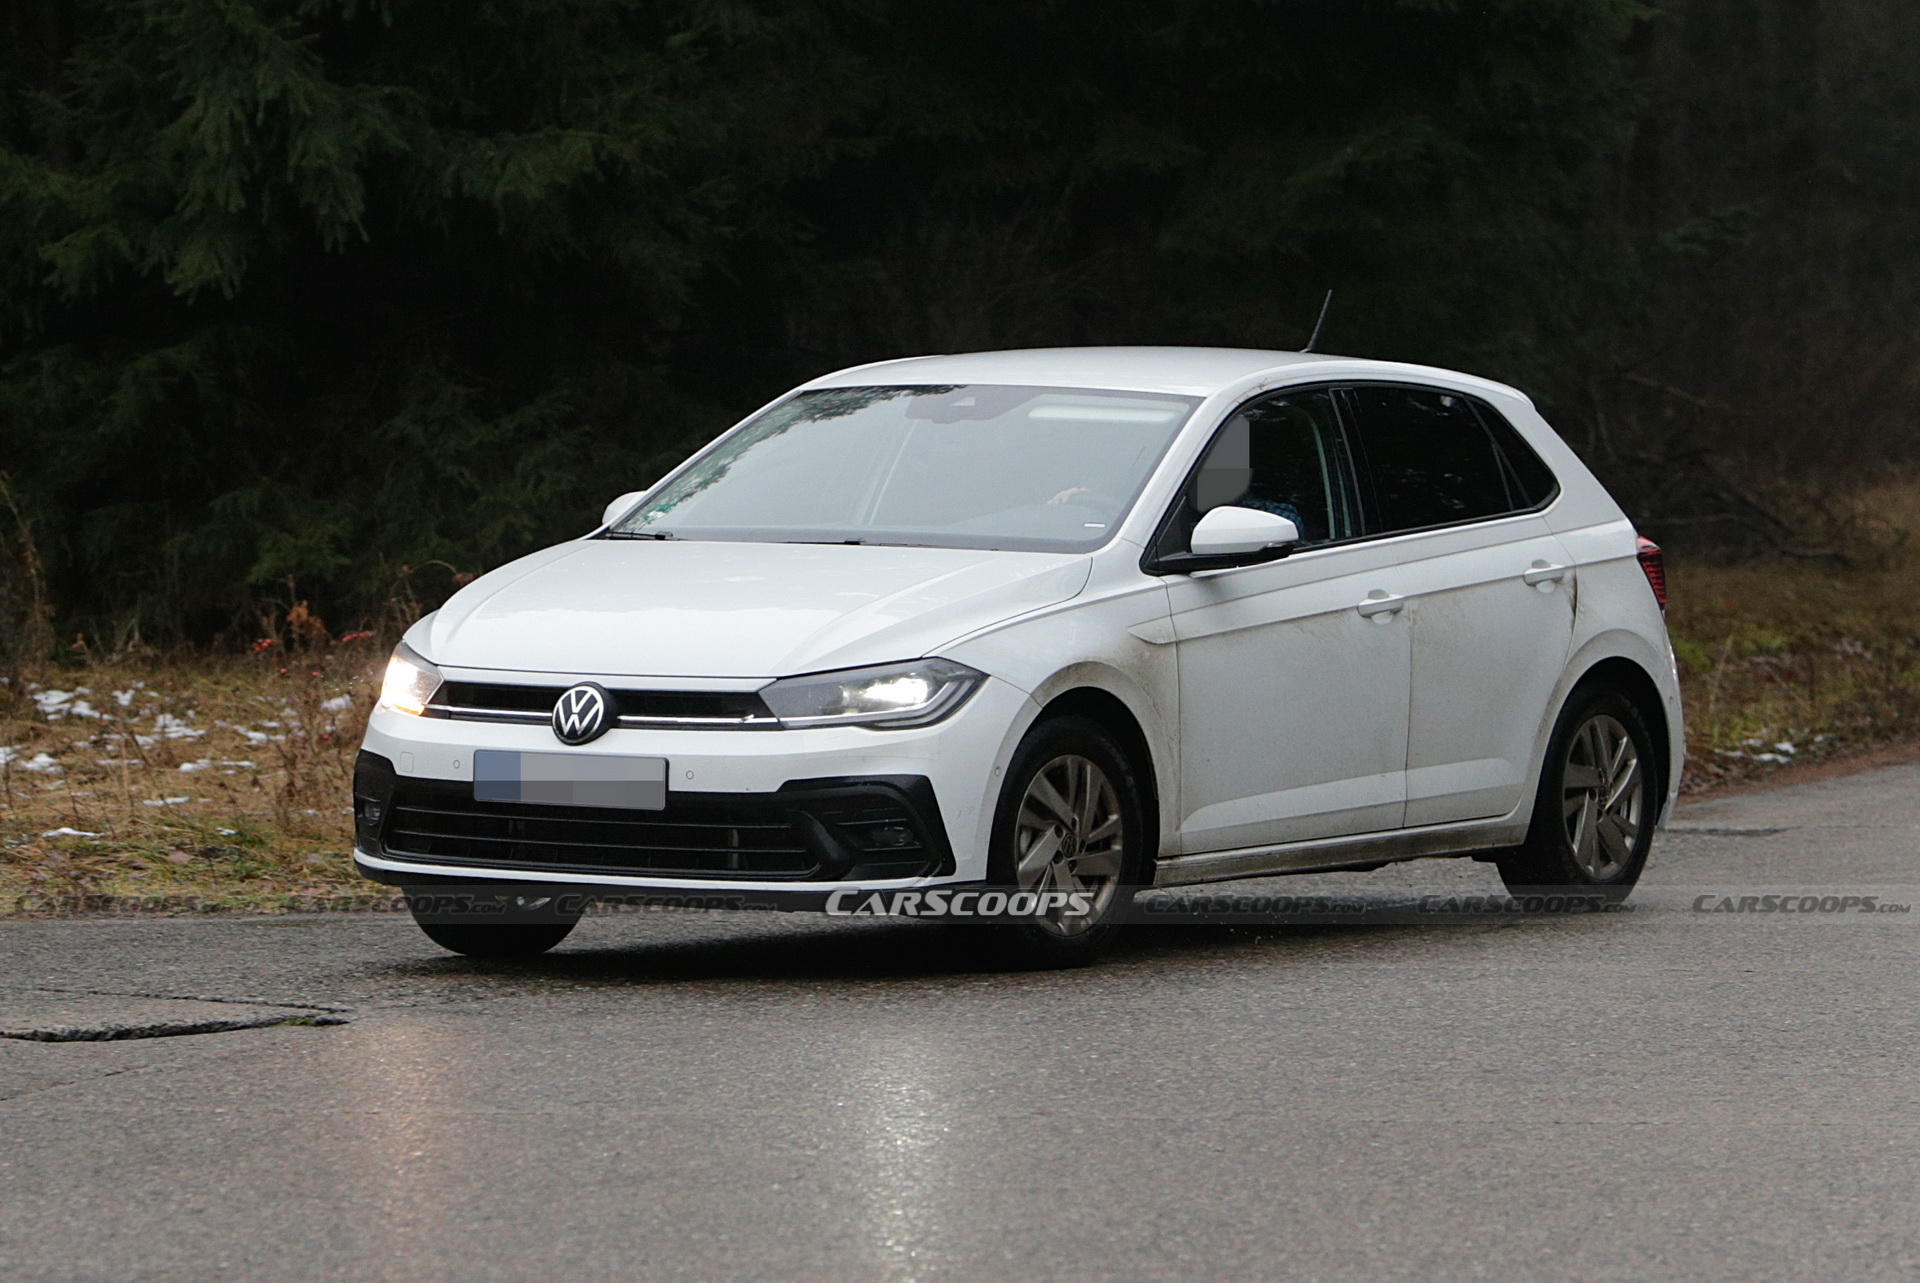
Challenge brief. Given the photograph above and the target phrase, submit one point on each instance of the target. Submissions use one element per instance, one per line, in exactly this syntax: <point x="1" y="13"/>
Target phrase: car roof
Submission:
<point x="1186" y="371"/>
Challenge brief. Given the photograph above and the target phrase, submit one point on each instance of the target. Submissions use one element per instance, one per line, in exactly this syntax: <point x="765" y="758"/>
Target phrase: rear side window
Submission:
<point x="1430" y="460"/>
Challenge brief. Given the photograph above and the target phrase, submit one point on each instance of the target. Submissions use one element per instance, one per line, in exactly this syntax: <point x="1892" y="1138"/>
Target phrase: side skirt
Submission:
<point x="1328" y="855"/>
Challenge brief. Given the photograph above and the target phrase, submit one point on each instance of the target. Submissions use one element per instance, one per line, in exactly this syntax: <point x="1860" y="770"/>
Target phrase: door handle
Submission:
<point x="1380" y="603"/>
<point x="1541" y="572"/>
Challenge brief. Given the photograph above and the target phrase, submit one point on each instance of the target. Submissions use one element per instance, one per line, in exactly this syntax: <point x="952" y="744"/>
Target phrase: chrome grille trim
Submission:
<point x="702" y="723"/>
<point x="459" y="714"/>
<point x="527" y="717"/>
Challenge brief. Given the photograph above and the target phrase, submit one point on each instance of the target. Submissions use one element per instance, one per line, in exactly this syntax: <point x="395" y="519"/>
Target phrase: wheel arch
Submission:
<point x="1637" y="684"/>
<point x="1107" y="709"/>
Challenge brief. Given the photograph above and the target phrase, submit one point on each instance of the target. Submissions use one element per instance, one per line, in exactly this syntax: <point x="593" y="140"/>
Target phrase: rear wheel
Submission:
<point x="1070" y="822"/>
<point x="1593" y="816"/>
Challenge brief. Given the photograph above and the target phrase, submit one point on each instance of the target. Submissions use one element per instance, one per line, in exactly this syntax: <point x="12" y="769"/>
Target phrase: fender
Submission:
<point x="1117" y="627"/>
<point x="1613" y="643"/>
<point x="1090" y="675"/>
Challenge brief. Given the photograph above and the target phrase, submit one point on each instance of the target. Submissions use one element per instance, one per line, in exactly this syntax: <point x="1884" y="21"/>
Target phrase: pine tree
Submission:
<point x="324" y="288"/>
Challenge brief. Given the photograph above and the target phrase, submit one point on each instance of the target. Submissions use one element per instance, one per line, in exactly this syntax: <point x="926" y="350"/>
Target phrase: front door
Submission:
<point x="1294" y="675"/>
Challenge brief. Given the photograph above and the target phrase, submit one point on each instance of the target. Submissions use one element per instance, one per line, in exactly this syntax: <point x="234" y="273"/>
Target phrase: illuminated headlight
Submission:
<point x="893" y="696"/>
<point x="410" y="681"/>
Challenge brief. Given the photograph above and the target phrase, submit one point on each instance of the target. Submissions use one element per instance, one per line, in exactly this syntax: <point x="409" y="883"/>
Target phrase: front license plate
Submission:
<point x="570" y="779"/>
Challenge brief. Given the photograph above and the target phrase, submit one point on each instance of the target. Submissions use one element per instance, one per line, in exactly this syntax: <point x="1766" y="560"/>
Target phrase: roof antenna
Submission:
<point x="1324" y="305"/>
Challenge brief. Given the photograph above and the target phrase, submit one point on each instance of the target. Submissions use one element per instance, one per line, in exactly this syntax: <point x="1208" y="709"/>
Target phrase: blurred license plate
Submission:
<point x="570" y="779"/>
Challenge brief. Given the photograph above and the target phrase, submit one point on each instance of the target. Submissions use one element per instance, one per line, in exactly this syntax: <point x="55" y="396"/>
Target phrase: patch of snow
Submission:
<point x="1754" y="757"/>
<point x="175" y="728"/>
<point x="164" y="801"/>
<point x="52" y="703"/>
<point x="64" y="832"/>
<point x="43" y="763"/>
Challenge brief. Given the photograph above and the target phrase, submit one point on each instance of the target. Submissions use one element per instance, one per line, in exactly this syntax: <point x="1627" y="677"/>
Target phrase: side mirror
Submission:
<point x="1229" y="537"/>
<point x="618" y="508"/>
<point x="1229" y="531"/>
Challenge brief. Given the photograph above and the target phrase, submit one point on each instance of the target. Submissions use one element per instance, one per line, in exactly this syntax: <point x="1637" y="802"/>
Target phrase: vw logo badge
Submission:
<point x="580" y="714"/>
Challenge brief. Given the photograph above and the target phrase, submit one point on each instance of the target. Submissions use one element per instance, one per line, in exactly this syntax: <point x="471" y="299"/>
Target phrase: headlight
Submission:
<point x="891" y="695"/>
<point x="410" y="681"/>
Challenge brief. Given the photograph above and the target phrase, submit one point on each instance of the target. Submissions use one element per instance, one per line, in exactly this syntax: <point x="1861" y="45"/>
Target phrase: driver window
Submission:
<point x="1285" y="455"/>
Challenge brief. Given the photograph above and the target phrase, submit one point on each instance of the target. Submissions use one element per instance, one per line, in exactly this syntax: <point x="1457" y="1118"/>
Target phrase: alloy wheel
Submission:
<point x="1070" y="836"/>
<point x="1602" y="796"/>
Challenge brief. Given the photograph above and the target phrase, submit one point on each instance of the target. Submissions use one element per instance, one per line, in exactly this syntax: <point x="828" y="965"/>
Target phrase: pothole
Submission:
<point x="40" y="1015"/>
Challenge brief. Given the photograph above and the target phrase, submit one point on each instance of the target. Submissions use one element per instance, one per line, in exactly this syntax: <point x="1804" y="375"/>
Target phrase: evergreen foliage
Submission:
<point x="322" y="289"/>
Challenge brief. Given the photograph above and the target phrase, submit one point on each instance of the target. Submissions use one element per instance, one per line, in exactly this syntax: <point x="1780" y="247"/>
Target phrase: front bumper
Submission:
<point x="795" y="814"/>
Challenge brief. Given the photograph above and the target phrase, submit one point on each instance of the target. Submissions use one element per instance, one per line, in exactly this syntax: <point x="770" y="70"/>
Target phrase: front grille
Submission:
<point x="499" y="701"/>
<point x="861" y="830"/>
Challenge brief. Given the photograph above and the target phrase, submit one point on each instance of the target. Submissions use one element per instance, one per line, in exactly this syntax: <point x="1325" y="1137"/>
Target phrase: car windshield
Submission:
<point x="973" y="466"/>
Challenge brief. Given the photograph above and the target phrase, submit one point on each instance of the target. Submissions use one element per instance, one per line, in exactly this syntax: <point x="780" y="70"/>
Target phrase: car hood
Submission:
<point x="718" y="609"/>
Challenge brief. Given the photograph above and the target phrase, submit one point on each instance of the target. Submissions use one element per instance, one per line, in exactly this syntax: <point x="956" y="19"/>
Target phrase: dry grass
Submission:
<point x="1793" y="661"/>
<point x="195" y="784"/>
<point x="221" y="783"/>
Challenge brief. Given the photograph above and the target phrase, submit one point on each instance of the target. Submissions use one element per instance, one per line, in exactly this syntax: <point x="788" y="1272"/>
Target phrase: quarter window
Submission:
<point x="1528" y="475"/>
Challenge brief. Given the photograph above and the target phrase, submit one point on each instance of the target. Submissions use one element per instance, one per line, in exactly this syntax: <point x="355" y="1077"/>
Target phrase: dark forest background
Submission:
<point x="331" y="301"/>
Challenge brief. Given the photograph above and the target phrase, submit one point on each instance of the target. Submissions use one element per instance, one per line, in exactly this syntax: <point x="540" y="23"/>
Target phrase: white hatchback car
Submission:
<point x="1058" y="624"/>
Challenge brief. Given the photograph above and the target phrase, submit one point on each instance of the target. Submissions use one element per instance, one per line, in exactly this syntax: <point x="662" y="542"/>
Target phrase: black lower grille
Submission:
<point x="809" y="831"/>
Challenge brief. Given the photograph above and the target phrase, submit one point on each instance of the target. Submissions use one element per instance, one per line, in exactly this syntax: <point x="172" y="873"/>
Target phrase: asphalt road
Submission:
<point x="1661" y="1093"/>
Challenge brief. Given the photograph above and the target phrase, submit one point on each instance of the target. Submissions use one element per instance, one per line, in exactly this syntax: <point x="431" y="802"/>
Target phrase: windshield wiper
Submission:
<point x="828" y="542"/>
<point x="640" y="534"/>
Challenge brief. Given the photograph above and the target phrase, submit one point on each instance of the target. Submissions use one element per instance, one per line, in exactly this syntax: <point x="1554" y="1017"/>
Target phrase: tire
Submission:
<point x="1594" y="814"/>
<point x="1071" y="788"/>
<point x="496" y="940"/>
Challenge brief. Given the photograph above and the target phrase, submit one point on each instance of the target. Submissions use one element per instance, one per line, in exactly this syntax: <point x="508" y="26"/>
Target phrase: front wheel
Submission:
<point x="493" y="940"/>
<point x="1070" y="822"/>
<point x="1594" y="814"/>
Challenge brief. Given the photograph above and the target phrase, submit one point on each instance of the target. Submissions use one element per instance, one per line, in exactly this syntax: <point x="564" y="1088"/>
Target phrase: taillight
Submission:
<point x="1655" y="565"/>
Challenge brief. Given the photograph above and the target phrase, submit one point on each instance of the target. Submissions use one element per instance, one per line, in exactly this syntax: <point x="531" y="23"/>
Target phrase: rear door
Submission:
<point x="1454" y="489"/>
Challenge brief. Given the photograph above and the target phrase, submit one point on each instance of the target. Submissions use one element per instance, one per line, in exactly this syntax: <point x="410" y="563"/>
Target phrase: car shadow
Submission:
<point x="710" y="948"/>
